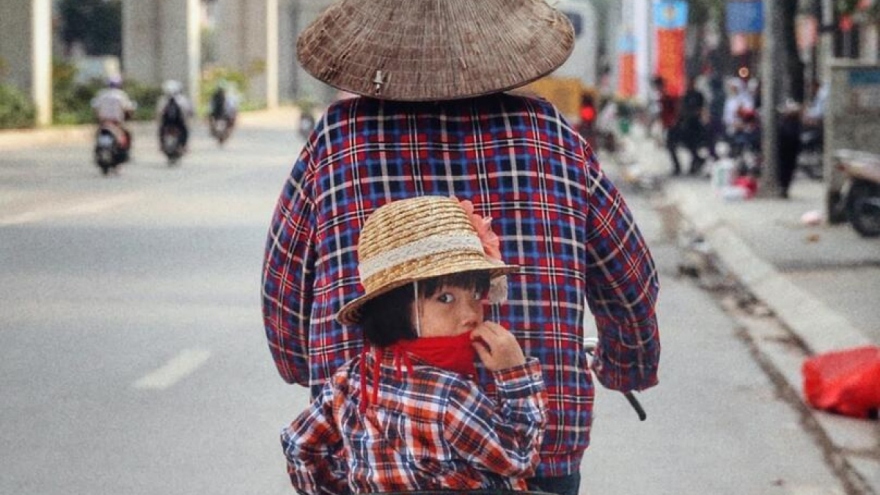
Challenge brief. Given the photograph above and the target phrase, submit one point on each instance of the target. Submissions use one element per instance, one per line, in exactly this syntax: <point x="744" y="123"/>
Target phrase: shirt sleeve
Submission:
<point x="503" y="438"/>
<point x="312" y="445"/>
<point x="622" y="290"/>
<point x="288" y="275"/>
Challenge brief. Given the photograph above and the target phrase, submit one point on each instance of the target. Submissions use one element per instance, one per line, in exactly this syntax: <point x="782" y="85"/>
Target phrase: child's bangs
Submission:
<point x="474" y="280"/>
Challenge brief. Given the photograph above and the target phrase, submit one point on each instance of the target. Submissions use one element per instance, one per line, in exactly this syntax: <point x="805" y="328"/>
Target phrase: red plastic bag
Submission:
<point x="845" y="382"/>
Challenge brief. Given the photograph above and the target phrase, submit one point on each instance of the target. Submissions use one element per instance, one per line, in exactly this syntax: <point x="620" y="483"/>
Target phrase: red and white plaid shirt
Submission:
<point x="429" y="429"/>
<point x="555" y="211"/>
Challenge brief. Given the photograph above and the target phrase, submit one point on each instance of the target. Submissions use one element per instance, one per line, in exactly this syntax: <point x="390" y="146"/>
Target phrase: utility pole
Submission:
<point x="826" y="53"/>
<point x="768" y="186"/>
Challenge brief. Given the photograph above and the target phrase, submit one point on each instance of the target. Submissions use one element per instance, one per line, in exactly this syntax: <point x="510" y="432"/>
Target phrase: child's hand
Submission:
<point x="497" y="347"/>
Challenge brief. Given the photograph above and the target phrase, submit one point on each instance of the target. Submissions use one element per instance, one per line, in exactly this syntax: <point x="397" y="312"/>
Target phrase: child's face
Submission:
<point x="449" y="312"/>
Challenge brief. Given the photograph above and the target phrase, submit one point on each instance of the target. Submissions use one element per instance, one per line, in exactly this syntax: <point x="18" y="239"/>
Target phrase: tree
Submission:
<point x="96" y="24"/>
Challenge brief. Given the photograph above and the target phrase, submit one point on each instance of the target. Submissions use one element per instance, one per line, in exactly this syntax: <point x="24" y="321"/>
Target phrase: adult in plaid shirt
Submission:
<point x="433" y="119"/>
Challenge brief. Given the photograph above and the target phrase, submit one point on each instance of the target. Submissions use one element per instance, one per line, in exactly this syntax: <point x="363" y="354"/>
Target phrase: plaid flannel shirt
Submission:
<point x="428" y="430"/>
<point x="557" y="215"/>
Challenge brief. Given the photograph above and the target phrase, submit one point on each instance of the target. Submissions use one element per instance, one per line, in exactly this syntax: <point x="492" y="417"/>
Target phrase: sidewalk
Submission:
<point x="821" y="282"/>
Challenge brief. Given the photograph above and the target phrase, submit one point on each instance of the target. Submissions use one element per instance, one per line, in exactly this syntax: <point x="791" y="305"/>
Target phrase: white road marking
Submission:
<point x="174" y="370"/>
<point x="71" y="210"/>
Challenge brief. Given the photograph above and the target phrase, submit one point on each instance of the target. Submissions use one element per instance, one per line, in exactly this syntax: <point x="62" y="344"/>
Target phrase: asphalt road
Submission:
<point x="133" y="359"/>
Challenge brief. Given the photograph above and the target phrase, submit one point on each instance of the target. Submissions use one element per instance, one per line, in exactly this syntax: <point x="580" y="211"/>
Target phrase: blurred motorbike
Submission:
<point x="111" y="146"/>
<point x="858" y="196"/>
<point x="221" y="128"/>
<point x="812" y="148"/>
<point x="172" y="143"/>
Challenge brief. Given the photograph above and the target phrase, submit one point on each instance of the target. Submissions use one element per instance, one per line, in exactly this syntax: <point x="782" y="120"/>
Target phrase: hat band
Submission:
<point x="421" y="248"/>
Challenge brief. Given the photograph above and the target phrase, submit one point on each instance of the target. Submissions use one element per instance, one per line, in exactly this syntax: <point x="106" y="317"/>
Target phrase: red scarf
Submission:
<point x="449" y="353"/>
<point x="454" y="353"/>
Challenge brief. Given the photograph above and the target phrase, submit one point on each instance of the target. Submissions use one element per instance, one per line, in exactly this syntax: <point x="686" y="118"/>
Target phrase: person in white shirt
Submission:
<point x="738" y="100"/>
<point x="113" y="107"/>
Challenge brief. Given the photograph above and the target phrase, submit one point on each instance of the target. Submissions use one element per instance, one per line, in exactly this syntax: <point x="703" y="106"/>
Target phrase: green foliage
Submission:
<point x="214" y="77"/>
<point x="146" y="97"/>
<point x="16" y="109"/>
<point x="851" y="7"/>
<point x="72" y="102"/>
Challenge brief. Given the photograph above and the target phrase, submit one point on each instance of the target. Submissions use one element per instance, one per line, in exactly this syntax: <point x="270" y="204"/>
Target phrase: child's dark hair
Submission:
<point x="388" y="318"/>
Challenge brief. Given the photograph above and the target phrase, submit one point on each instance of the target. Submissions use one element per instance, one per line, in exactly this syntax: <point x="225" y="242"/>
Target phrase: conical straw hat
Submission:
<point x="416" y="239"/>
<point x="421" y="50"/>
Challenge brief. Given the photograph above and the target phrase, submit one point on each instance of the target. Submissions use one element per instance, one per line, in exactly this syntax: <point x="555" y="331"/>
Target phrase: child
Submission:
<point x="406" y="415"/>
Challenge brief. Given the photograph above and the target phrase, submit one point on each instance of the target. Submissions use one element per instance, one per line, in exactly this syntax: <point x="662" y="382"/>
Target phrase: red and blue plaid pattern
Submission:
<point x="428" y="430"/>
<point x="556" y="213"/>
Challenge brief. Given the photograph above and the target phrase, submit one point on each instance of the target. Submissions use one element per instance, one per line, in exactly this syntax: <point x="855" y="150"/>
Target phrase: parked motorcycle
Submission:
<point x="859" y="194"/>
<point x="172" y="143"/>
<point x="111" y="147"/>
<point x="810" y="157"/>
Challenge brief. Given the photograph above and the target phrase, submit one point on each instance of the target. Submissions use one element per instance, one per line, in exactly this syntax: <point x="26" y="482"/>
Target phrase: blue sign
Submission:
<point x="867" y="77"/>
<point x="745" y="16"/>
<point x="670" y="14"/>
<point x="626" y="43"/>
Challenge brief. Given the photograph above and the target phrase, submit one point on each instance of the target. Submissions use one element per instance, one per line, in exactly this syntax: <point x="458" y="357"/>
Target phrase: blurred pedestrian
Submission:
<point x="788" y="145"/>
<point x="689" y="130"/>
<point x="739" y="101"/>
<point x="433" y="119"/>
<point x="655" y="110"/>
<point x="715" y="127"/>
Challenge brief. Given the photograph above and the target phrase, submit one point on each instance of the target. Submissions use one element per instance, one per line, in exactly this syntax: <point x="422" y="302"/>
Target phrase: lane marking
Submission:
<point x="178" y="368"/>
<point x="85" y="208"/>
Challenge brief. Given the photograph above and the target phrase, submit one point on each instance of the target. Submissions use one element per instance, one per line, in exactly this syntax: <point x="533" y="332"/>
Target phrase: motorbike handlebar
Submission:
<point x="590" y="344"/>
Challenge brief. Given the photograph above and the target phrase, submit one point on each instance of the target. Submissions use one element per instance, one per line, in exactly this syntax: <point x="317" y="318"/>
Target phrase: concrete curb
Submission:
<point x="807" y="316"/>
<point x="820" y="328"/>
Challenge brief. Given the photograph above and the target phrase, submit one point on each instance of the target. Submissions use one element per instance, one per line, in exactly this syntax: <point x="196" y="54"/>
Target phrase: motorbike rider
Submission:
<point x="174" y="109"/>
<point x="224" y="103"/>
<point x="112" y="108"/>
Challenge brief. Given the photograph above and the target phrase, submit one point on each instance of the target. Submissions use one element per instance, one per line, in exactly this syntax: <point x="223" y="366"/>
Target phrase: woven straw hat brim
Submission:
<point x="416" y="239"/>
<point x="431" y="267"/>
<point x="430" y="50"/>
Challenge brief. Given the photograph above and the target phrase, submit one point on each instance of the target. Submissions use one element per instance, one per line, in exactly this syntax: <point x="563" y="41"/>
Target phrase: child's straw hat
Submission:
<point x="423" y="50"/>
<point x="416" y="239"/>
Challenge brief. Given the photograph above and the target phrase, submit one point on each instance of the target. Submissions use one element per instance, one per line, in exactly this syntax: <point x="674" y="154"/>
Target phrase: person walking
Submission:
<point x="434" y="118"/>
<point x="689" y="129"/>
<point x="788" y="145"/>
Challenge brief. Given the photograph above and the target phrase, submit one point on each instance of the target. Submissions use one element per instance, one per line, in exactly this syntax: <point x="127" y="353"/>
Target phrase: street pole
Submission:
<point x="826" y="53"/>
<point x="768" y="185"/>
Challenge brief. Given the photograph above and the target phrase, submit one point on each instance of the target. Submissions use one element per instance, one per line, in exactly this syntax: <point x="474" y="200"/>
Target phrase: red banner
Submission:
<point x="670" y="60"/>
<point x="626" y="84"/>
